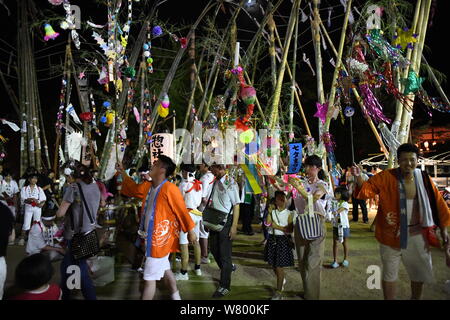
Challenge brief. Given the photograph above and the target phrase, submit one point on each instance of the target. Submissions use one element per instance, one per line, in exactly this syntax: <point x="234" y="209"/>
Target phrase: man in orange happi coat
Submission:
<point x="164" y="215"/>
<point x="409" y="210"/>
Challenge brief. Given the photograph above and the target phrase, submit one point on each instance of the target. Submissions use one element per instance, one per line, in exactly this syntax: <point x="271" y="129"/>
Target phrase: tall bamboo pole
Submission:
<point x="318" y="54"/>
<point x="296" y="92"/>
<point x="291" y="104"/>
<point x="273" y="63"/>
<point x="277" y="93"/>
<point x="416" y="61"/>
<point x="331" y="97"/>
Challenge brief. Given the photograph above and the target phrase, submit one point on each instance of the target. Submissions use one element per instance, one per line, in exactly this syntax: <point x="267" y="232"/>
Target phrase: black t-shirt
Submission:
<point x="6" y="225"/>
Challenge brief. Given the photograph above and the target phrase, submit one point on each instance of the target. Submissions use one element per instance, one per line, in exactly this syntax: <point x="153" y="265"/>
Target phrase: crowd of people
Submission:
<point x="200" y="208"/>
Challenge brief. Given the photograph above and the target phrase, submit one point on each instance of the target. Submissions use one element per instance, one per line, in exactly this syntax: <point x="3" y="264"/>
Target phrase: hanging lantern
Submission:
<point x="157" y="31"/>
<point x="110" y="114"/>
<point x="246" y="136"/>
<point x="49" y="32"/>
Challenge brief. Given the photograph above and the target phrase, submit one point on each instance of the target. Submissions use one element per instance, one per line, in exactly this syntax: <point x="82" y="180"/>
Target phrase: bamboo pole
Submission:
<point x="331" y="97"/>
<point x="399" y="106"/>
<point x="416" y="61"/>
<point x="277" y="93"/>
<point x="291" y="104"/>
<point x="318" y="54"/>
<point x="273" y="63"/>
<point x="356" y="94"/>
<point x="296" y="92"/>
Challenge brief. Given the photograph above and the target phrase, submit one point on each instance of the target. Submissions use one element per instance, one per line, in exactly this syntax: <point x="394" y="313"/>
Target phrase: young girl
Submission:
<point x="8" y="195"/>
<point x="33" y="275"/>
<point x="278" y="251"/>
<point x="341" y="226"/>
<point x="33" y="198"/>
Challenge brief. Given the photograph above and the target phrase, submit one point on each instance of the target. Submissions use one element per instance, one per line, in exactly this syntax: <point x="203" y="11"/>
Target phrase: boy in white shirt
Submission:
<point x="45" y="237"/>
<point x="8" y="195"/>
<point x="191" y="189"/>
<point x="33" y="198"/>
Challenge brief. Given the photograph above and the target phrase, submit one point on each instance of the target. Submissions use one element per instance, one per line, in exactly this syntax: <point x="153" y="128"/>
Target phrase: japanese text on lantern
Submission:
<point x="162" y="144"/>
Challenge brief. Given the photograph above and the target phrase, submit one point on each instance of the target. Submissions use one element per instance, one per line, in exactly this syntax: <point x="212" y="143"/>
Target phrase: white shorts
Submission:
<point x="183" y="235"/>
<point x="155" y="267"/>
<point x="416" y="259"/>
<point x="203" y="234"/>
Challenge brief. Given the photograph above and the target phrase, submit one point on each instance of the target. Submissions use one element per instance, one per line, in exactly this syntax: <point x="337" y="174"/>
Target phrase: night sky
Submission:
<point x="185" y="12"/>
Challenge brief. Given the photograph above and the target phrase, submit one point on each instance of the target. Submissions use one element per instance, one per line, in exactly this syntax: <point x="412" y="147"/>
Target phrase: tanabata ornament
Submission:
<point x="157" y="31"/>
<point x="136" y="115"/>
<point x="248" y="95"/>
<point x="405" y="38"/>
<point x="165" y="101"/>
<point x="86" y="116"/>
<point x="349" y="111"/>
<point x="246" y="136"/>
<point x="64" y="25"/>
<point x="163" y="112"/>
<point x="110" y="114"/>
<point x="252" y="148"/>
<point x="129" y="72"/>
<point x="103" y="119"/>
<point x="49" y="32"/>
<point x="183" y="42"/>
<point x="412" y="83"/>
<point x="55" y="2"/>
<point x="322" y="110"/>
<point x="107" y="104"/>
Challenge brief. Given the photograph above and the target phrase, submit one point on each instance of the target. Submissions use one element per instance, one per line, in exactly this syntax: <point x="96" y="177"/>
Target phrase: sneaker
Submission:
<point x="198" y="272"/>
<point x="234" y="268"/>
<point x="205" y="260"/>
<point x="277" y="296"/>
<point x="140" y="270"/>
<point x="335" y="265"/>
<point x="177" y="259"/>
<point x="221" y="292"/>
<point x="179" y="276"/>
<point x="21" y="242"/>
<point x="345" y="263"/>
<point x="284" y="283"/>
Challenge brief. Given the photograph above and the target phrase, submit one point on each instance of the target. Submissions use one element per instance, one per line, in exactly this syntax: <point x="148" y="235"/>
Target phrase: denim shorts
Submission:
<point x="346" y="232"/>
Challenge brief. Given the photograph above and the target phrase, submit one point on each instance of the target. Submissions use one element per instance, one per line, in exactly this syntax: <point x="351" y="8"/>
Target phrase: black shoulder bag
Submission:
<point x="214" y="219"/>
<point x="84" y="245"/>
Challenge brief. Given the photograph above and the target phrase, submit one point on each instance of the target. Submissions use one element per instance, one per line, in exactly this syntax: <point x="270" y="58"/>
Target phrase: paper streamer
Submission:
<point x="306" y="60"/>
<point x="251" y="180"/>
<point x="295" y="157"/>
<point x="12" y="125"/>
<point x="71" y="110"/>
<point x="330" y="9"/>
<point x="304" y="16"/>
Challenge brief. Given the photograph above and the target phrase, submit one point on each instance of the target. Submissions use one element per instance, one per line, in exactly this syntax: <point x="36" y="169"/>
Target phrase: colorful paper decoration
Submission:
<point x="349" y="111"/>
<point x="412" y="83"/>
<point x="252" y="181"/>
<point x="295" y="158"/>
<point x="246" y="136"/>
<point x="372" y="107"/>
<point x="55" y="2"/>
<point x="322" y="110"/>
<point x="405" y="38"/>
<point x="165" y="101"/>
<point x="50" y="33"/>
<point x="163" y="112"/>
<point x="248" y="95"/>
<point x="110" y="115"/>
<point x="157" y="31"/>
<point x="86" y="116"/>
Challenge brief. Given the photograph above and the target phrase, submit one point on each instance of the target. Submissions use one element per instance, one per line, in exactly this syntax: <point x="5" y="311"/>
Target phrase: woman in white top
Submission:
<point x="33" y="198"/>
<point x="278" y="251"/>
<point x="8" y="195"/>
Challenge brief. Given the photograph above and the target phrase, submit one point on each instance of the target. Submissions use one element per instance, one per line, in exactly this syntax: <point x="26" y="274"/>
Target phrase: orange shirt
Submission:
<point x="385" y="184"/>
<point x="171" y="215"/>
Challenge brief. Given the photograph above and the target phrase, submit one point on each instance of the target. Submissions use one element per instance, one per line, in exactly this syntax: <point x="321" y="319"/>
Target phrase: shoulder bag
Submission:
<point x="309" y="225"/>
<point x="214" y="219"/>
<point x="84" y="245"/>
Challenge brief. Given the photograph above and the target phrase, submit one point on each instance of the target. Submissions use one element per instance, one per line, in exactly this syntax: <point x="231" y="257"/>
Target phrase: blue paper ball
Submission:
<point x="145" y="46"/>
<point x="349" y="112"/>
<point x="106" y="104"/>
<point x="103" y="119"/>
<point x="157" y="31"/>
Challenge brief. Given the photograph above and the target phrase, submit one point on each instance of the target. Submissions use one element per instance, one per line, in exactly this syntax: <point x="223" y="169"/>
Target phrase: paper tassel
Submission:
<point x="304" y="16"/>
<point x="71" y="111"/>
<point x="76" y="38"/>
<point x="351" y="19"/>
<point x="372" y="107"/>
<point x="74" y="145"/>
<point x="306" y="60"/>
<point x="93" y="25"/>
<point x="136" y="115"/>
<point x="62" y="159"/>
<point x="12" y="125"/>
<point x="332" y="62"/>
<point x="389" y="139"/>
<point x="330" y="9"/>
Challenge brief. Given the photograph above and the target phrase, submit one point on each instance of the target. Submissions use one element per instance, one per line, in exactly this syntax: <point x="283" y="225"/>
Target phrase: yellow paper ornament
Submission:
<point x="246" y="136"/>
<point x="163" y="112"/>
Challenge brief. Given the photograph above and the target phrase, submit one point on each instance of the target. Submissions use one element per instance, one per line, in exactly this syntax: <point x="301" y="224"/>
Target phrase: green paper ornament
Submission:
<point x="412" y="83"/>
